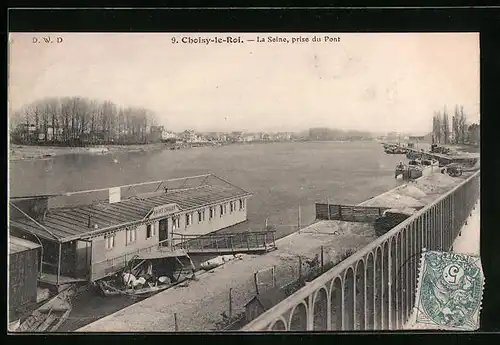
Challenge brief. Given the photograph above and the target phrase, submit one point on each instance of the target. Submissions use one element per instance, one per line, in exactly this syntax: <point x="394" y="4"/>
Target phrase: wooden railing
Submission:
<point x="244" y="241"/>
<point x="348" y="213"/>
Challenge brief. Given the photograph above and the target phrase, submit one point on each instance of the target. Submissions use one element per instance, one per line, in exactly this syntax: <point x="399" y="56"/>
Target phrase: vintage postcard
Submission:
<point x="174" y="182"/>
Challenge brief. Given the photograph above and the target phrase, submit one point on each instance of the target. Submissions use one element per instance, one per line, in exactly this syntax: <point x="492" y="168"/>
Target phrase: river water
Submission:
<point x="281" y="177"/>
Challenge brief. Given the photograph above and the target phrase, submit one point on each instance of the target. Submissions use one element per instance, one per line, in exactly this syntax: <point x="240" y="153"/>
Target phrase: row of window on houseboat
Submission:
<point x="131" y="234"/>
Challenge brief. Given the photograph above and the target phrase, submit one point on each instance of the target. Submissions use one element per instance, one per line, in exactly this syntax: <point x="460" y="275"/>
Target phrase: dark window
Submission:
<point x="148" y="231"/>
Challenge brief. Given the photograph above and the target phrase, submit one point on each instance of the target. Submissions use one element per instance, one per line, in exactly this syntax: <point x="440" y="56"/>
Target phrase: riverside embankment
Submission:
<point x="199" y="305"/>
<point x="25" y="152"/>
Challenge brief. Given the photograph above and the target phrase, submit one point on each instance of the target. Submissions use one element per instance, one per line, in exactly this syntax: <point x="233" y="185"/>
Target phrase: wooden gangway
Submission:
<point x="254" y="242"/>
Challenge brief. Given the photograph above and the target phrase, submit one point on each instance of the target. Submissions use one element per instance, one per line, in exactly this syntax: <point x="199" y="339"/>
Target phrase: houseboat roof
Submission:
<point x="17" y="245"/>
<point x="65" y="224"/>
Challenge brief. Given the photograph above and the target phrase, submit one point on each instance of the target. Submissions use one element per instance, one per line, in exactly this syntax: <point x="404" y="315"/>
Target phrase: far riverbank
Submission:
<point x="35" y="152"/>
<point x="26" y="152"/>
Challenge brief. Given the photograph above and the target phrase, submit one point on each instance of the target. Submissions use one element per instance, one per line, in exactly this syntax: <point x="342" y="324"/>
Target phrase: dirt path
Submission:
<point x="199" y="305"/>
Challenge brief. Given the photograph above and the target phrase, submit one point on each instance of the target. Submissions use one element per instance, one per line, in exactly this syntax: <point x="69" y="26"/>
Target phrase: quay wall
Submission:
<point x="374" y="289"/>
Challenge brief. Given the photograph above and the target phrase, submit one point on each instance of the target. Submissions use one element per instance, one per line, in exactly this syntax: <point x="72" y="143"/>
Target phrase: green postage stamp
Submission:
<point x="449" y="291"/>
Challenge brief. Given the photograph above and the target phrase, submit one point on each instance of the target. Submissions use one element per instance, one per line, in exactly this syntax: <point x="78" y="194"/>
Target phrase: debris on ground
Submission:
<point x="412" y="191"/>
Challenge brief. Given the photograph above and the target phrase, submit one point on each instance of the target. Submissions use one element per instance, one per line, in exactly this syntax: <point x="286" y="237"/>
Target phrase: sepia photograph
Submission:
<point x="243" y="182"/>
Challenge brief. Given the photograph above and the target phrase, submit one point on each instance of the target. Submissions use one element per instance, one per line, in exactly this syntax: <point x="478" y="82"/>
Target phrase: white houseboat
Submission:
<point x="86" y="241"/>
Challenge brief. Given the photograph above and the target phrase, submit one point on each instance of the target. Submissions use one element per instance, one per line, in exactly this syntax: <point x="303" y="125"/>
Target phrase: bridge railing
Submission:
<point x="374" y="289"/>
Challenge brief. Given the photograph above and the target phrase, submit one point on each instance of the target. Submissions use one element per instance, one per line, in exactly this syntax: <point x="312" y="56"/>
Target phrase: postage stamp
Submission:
<point x="449" y="291"/>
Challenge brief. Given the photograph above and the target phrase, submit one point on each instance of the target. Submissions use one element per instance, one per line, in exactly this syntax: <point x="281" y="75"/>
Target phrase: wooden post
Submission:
<point x="266" y="224"/>
<point x="300" y="270"/>
<point x="322" y="259"/>
<point x="256" y="281"/>
<point x="328" y="207"/>
<point x="231" y="243"/>
<point x="274" y="276"/>
<point x="230" y="303"/>
<point x="175" y="322"/>
<point x="340" y="212"/>
<point x="248" y="241"/>
<point x="59" y="264"/>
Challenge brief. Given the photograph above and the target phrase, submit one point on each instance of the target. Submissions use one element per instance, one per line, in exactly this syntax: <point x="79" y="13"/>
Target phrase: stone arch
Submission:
<point x="298" y="317"/>
<point x="278" y="325"/>
<point x="336" y="305"/>
<point x="320" y="308"/>
<point x="378" y="289"/>
<point x="349" y="298"/>
<point x="360" y="305"/>
<point x="370" y="289"/>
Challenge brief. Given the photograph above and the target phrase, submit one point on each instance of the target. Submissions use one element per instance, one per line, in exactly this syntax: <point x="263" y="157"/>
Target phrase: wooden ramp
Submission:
<point x="251" y="242"/>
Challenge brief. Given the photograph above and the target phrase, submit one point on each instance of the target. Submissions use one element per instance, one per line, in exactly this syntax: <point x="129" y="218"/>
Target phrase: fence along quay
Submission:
<point x="374" y="289"/>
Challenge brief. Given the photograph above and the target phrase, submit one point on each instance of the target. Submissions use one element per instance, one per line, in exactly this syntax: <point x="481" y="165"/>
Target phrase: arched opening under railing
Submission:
<point x="370" y="290"/>
<point x="298" y="318"/>
<point x="385" y="286"/>
<point x="359" y="317"/>
<point x="320" y="310"/>
<point x="403" y="275"/>
<point x="379" y="301"/>
<point x="278" y="325"/>
<point x="349" y="307"/>
<point x="393" y="271"/>
<point x="336" y="304"/>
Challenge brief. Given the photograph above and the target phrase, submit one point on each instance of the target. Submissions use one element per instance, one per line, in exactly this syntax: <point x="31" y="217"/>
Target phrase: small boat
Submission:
<point x="149" y="273"/>
<point x="50" y="316"/>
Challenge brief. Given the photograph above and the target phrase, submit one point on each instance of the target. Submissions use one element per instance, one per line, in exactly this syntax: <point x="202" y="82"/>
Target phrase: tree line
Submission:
<point x="459" y="132"/>
<point x="79" y="121"/>
<point x="326" y="134"/>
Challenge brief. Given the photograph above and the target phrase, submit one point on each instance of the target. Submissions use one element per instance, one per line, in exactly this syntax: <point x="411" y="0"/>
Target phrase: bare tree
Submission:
<point x="84" y="120"/>
<point x="462" y="125"/>
<point x="445" y="123"/>
<point x="437" y="127"/>
<point x="455" y="127"/>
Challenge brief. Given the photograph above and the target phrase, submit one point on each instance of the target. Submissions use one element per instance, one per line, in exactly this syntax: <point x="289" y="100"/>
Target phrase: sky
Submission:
<point x="367" y="81"/>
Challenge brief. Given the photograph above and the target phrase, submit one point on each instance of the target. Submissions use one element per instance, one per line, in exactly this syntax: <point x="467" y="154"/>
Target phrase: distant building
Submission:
<point x="189" y="136"/>
<point x="51" y="133"/>
<point x="155" y="133"/>
<point x="284" y="136"/>
<point x="236" y="136"/>
<point x="167" y="135"/>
